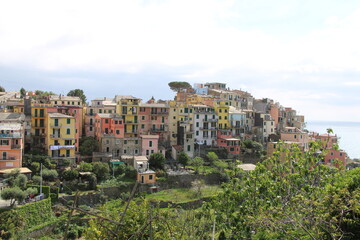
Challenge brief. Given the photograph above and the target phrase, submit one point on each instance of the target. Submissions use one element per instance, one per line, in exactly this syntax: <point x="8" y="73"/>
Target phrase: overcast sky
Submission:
<point x="302" y="53"/>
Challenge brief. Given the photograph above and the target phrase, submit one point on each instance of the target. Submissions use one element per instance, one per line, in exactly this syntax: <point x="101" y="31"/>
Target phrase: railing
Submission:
<point x="55" y="126"/>
<point x="210" y="120"/>
<point x="55" y="136"/>
<point x="8" y="158"/>
<point x="10" y="135"/>
<point x="158" y="130"/>
<point x="16" y="146"/>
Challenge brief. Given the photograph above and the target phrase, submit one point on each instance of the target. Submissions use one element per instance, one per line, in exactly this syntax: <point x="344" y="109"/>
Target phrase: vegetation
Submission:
<point x="22" y="92"/>
<point x="101" y="170"/>
<point x="78" y="93"/>
<point x="88" y="145"/>
<point x="183" y="158"/>
<point x="2" y="89"/>
<point x="196" y="162"/>
<point x="179" y="86"/>
<point x="157" y="161"/>
<point x="14" y="222"/>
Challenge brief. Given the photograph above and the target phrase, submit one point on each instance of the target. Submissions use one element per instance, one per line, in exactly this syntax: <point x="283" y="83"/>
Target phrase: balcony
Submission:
<point x="55" y="136"/>
<point x="159" y="113"/>
<point x="16" y="146"/>
<point x="11" y="135"/>
<point x="56" y="126"/>
<point x="9" y="158"/>
<point x="57" y="147"/>
<point x="210" y="120"/>
<point x="158" y="130"/>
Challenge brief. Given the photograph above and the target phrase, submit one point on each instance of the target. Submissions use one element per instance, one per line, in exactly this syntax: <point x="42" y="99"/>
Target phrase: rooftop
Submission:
<point x="11" y="117"/>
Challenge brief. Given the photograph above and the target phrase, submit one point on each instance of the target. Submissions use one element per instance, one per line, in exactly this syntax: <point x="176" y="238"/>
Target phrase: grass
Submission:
<point x="179" y="195"/>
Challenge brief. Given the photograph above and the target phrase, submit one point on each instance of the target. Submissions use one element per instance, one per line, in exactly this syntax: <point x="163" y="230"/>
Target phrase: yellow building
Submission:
<point x="128" y="109"/>
<point x="222" y="110"/>
<point x="60" y="137"/>
<point x="38" y="126"/>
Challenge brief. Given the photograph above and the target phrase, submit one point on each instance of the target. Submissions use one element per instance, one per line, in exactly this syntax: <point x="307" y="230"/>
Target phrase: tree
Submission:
<point x="70" y="174"/>
<point x="197" y="163"/>
<point x="78" y="93"/>
<point x="179" y="86"/>
<point x="101" y="170"/>
<point x="49" y="175"/>
<point x="289" y="196"/>
<point x="211" y="156"/>
<point x="86" y="167"/>
<point x="2" y="89"/>
<point x="88" y="145"/>
<point x="183" y="158"/>
<point x="16" y="194"/>
<point x="157" y="161"/>
<point x="22" y="92"/>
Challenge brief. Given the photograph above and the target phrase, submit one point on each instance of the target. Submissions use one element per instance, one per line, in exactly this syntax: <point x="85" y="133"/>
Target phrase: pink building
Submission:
<point x="293" y="134"/>
<point x="11" y="140"/>
<point x="108" y="124"/>
<point x="149" y="144"/>
<point x="226" y="140"/>
<point x="328" y="142"/>
<point x="153" y="119"/>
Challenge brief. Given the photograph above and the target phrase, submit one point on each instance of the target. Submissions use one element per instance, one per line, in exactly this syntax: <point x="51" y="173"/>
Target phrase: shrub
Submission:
<point x="70" y="174"/>
<point x="49" y="175"/>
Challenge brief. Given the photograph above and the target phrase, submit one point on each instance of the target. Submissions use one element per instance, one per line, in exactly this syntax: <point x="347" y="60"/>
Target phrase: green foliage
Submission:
<point x="85" y="167"/>
<point x="88" y="145"/>
<point x="183" y="158"/>
<point x="15" y="179"/>
<point x="157" y="161"/>
<point x="22" y="92"/>
<point x="179" y="86"/>
<point x="196" y="162"/>
<point x="252" y="147"/>
<point x="43" y="93"/>
<point x="70" y="174"/>
<point x="2" y="89"/>
<point x="45" y="189"/>
<point x="211" y="157"/>
<point x="36" y="180"/>
<point x="78" y="93"/>
<point x="15" y="221"/>
<point x="169" y="224"/>
<point x="49" y="175"/>
<point x="295" y="198"/>
<point x="101" y="170"/>
<point x="13" y="194"/>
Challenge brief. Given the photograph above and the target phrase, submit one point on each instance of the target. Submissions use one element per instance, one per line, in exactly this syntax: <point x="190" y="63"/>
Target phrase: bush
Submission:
<point x="70" y="174"/>
<point x="86" y="167"/>
<point x="36" y="180"/>
<point x="101" y="170"/>
<point x="49" y="175"/>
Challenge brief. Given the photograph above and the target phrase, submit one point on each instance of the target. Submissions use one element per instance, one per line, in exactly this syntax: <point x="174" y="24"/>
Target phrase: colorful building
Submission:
<point x="60" y="136"/>
<point x="11" y="140"/>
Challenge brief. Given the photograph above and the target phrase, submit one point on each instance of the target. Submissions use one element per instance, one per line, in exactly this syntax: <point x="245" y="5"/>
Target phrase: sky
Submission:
<point x="304" y="54"/>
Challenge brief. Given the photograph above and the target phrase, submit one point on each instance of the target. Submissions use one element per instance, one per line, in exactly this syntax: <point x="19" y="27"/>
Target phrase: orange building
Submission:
<point x="11" y="140"/>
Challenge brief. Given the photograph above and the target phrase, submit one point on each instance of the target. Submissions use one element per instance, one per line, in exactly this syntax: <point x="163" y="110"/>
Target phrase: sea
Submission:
<point x="346" y="131"/>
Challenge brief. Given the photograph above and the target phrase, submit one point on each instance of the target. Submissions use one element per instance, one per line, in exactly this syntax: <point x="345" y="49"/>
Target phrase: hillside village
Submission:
<point x="65" y="145"/>
<point x="207" y="116"/>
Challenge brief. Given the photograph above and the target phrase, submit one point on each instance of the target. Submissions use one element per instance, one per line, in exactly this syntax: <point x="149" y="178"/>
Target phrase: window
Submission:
<point x="125" y="141"/>
<point x="56" y="122"/>
<point x="124" y="151"/>
<point x="67" y="153"/>
<point x="142" y="117"/>
<point x="197" y="116"/>
<point x="150" y="143"/>
<point x="197" y="133"/>
<point x="117" y="131"/>
<point x="188" y="148"/>
<point x="106" y="120"/>
<point x="4" y="155"/>
<point x="90" y="129"/>
<point x="136" y="141"/>
<point x="294" y="136"/>
<point x="41" y="112"/>
<point x="100" y="110"/>
<point x="147" y="152"/>
<point x="142" y="126"/>
<point x="68" y="121"/>
<point x="151" y="177"/>
<point x="136" y="151"/>
<point x="36" y="112"/>
<point x="68" y="131"/>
